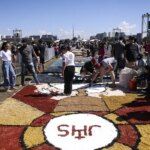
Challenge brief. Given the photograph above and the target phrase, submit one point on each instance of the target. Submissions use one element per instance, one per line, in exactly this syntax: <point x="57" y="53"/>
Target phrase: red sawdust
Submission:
<point x="128" y="135"/>
<point x="10" y="137"/>
<point x="44" y="147"/>
<point x="41" y="121"/>
<point x="137" y="112"/>
<point x="43" y="103"/>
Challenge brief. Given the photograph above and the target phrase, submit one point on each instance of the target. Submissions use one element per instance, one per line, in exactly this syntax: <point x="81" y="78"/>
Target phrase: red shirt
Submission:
<point x="147" y="47"/>
<point x="95" y="63"/>
<point x="101" y="52"/>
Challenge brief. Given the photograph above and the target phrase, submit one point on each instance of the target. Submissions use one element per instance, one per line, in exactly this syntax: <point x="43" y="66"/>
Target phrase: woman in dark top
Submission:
<point x="131" y="52"/>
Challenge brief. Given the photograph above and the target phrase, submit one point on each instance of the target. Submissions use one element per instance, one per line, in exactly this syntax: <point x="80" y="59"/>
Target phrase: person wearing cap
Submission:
<point x="68" y="68"/>
<point x="27" y="52"/>
<point x="106" y="66"/>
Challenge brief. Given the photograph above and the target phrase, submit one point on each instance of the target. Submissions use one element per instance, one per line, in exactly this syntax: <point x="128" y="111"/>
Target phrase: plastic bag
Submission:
<point x="125" y="76"/>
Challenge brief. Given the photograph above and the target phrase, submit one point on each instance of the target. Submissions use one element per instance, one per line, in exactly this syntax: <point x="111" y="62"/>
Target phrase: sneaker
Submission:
<point x="22" y="85"/>
<point x="61" y="94"/>
<point x="14" y="88"/>
<point x="8" y="90"/>
<point x="67" y="94"/>
<point x="38" y="83"/>
<point x="90" y="84"/>
<point x="112" y="86"/>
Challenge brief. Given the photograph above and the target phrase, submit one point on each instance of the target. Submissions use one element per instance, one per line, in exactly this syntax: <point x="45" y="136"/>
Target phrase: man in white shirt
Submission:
<point x="68" y="70"/>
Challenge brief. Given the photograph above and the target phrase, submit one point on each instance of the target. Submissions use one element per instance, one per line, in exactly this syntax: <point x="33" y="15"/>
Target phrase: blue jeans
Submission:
<point x="31" y="69"/>
<point x="9" y="74"/>
<point x="148" y="59"/>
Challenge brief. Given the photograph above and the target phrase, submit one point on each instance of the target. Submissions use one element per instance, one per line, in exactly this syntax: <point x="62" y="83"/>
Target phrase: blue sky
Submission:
<point x="59" y="16"/>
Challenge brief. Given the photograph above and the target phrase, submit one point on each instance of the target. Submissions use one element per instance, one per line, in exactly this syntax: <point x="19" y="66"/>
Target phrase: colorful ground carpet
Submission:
<point x="25" y="115"/>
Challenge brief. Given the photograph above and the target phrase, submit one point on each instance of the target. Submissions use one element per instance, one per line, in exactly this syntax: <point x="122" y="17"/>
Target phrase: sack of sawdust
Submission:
<point x="45" y="89"/>
<point x="125" y="76"/>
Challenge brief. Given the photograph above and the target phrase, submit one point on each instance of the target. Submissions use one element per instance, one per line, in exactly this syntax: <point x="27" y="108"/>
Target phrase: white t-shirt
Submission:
<point x="68" y="58"/>
<point x="108" y="61"/>
<point x="5" y="55"/>
<point x="108" y="51"/>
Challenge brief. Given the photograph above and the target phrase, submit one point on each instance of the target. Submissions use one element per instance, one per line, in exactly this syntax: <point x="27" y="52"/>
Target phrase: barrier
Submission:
<point x="49" y="54"/>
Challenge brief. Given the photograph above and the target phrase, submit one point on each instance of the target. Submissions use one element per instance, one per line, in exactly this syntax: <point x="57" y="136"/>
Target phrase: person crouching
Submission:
<point x="107" y="66"/>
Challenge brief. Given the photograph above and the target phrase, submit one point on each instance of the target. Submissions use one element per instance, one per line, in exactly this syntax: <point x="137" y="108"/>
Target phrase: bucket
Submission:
<point x="133" y="84"/>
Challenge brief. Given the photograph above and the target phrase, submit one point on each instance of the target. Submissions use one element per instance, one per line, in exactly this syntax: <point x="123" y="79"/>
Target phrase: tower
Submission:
<point x="116" y="32"/>
<point x="73" y="32"/>
<point x="17" y="34"/>
<point x="145" y="25"/>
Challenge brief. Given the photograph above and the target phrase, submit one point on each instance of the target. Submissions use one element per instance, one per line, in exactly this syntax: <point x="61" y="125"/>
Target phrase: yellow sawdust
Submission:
<point x="114" y="118"/>
<point x="13" y="112"/>
<point x="80" y="103"/>
<point x="117" y="146"/>
<point x="145" y="137"/>
<point x="33" y="136"/>
<point x="56" y="114"/>
<point x="115" y="102"/>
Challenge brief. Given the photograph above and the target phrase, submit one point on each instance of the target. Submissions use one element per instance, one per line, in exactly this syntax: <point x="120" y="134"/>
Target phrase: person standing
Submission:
<point x="26" y="52"/>
<point x="119" y="54"/>
<point x="101" y="51"/>
<point x="56" y="49"/>
<point x="35" y="61"/>
<point x="93" y="48"/>
<point x="131" y="52"/>
<point x="7" y="67"/>
<point x="147" y="51"/>
<point x="41" y="48"/>
<point x="68" y="68"/>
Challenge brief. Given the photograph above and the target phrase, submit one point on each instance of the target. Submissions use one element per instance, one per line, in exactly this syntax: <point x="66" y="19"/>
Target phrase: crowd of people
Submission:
<point x="106" y="58"/>
<point x="32" y="61"/>
<point x="111" y="58"/>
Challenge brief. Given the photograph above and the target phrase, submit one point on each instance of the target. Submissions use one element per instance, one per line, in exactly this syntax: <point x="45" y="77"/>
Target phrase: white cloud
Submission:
<point x="42" y="32"/>
<point x="127" y="27"/>
<point x="63" y="34"/>
<point x="9" y="29"/>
